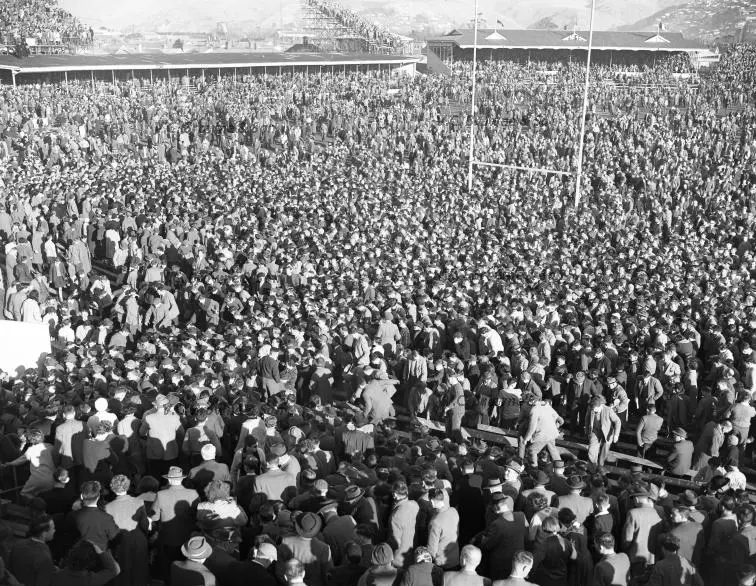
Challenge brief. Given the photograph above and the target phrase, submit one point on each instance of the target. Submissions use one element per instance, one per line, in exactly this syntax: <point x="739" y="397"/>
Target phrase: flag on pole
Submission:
<point x="499" y="22"/>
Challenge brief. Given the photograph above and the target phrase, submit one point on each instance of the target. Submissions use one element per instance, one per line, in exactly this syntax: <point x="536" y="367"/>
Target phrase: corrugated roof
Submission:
<point x="55" y="63"/>
<point x="560" y="39"/>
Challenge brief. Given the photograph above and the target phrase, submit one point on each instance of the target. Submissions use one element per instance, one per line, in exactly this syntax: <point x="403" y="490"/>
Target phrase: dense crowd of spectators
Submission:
<point x="41" y="21"/>
<point x="249" y="284"/>
<point x="370" y="30"/>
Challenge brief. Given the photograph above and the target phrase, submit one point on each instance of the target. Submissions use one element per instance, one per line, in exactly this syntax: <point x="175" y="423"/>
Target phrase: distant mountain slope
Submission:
<point x="700" y="19"/>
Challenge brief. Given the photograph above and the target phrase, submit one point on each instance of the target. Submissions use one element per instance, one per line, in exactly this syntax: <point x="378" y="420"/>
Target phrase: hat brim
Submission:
<point x="311" y="533"/>
<point x="203" y="553"/>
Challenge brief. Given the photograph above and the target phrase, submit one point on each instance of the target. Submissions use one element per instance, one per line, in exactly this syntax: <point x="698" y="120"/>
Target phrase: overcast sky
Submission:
<point x="124" y="13"/>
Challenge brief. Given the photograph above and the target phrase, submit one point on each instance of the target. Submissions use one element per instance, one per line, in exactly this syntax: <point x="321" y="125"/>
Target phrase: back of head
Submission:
<point x="294" y="570"/>
<point x="470" y="556"/>
<point x="522" y="562"/>
<point x="82" y="557"/>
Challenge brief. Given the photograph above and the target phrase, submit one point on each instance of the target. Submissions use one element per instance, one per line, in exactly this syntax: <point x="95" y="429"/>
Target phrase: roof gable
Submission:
<point x="575" y="37"/>
<point x="657" y="39"/>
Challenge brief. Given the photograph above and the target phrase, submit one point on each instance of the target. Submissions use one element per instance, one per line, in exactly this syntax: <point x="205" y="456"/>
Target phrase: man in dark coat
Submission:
<point x="680" y="458"/>
<point x="674" y="569"/>
<point x="503" y="537"/>
<point x="467" y="497"/>
<point x="257" y="569"/>
<point x="30" y="560"/>
<point x="92" y="523"/>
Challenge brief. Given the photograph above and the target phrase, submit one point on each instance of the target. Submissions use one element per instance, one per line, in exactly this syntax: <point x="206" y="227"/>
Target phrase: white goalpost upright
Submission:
<point x="578" y="173"/>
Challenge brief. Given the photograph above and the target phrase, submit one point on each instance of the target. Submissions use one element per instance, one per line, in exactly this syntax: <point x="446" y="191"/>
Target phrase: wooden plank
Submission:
<point x="431" y="425"/>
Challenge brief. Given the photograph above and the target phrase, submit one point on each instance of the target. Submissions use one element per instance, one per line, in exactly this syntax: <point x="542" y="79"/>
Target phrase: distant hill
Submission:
<point x="703" y="20"/>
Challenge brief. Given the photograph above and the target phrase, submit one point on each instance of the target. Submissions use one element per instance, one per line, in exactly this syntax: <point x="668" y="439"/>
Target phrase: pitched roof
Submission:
<point x="560" y="39"/>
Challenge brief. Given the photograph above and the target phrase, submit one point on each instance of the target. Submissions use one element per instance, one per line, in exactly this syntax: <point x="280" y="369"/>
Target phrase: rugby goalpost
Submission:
<point x="578" y="173"/>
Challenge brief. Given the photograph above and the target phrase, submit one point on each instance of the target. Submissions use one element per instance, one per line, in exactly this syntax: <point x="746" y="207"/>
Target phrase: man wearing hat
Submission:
<point x="582" y="506"/>
<point x="162" y="429"/>
<point x="649" y="388"/>
<point x="307" y="547"/>
<point x="503" y="537"/>
<point x="680" y="458"/>
<point x="172" y="511"/>
<point x="381" y="572"/>
<point x="641" y="531"/>
<point x="193" y="572"/>
<point x="689" y="533"/>
<point x="338" y="530"/>
<point x="209" y="470"/>
<point x="602" y="426"/>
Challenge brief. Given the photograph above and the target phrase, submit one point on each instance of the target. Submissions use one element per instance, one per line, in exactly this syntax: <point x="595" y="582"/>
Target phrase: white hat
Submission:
<point x="208" y="452"/>
<point x="101" y="404"/>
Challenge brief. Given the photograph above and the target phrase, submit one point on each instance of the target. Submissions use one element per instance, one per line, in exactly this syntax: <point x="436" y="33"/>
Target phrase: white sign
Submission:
<point x="21" y="345"/>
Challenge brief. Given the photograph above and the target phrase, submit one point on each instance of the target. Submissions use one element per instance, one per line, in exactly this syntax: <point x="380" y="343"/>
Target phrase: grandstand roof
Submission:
<point x="561" y="39"/>
<point x="143" y="61"/>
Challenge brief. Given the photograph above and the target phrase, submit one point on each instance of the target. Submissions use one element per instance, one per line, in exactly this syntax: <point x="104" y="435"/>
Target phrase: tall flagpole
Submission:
<point x="585" y="108"/>
<point x="472" y="107"/>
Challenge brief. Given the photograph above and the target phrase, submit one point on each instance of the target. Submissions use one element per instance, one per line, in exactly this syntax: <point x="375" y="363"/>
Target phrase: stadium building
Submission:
<point x="210" y="66"/>
<point x="559" y="46"/>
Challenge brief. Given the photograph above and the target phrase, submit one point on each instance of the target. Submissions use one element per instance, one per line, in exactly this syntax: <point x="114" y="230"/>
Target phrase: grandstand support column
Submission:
<point x="581" y="145"/>
<point x="13" y="76"/>
<point x="112" y="74"/>
<point x="472" y="107"/>
<point x="91" y="76"/>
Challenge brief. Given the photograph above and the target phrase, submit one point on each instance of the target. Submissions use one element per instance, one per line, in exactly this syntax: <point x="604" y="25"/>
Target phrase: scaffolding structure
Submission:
<point x="331" y="27"/>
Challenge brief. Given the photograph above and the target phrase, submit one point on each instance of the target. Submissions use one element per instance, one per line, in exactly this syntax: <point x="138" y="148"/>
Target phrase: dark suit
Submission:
<point x="501" y="540"/>
<point x="250" y="572"/>
<point x="189" y="573"/>
<point x="680" y="459"/>
<point x="95" y="525"/>
<point x="674" y="570"/>
<point x="31" y="563"/>
<point x="469" y="502"/>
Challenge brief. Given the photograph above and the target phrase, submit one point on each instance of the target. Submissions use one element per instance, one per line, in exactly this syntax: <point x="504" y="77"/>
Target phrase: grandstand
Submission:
<point x="40" y="27"/>
<point x="331" y="26"/>
<point x="62" y="68"/>
<point x="523" y="46"/>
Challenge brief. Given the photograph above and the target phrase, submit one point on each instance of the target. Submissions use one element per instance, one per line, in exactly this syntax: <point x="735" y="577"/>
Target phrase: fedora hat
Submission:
<point x="515" y="465"/>
<point x="197" y="548"/>
<point x="688" y="499"/>
<point x="174" y="472"/>
<point x="353" y="493"/>
<point x="680" y="432"/>
<point x="308" y="524"/>
<point x="492" y="483"/>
